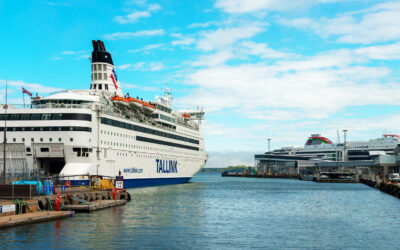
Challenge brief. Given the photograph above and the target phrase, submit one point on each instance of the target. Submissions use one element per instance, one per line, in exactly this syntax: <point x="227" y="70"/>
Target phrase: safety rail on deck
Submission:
<point x="47" y="106"/>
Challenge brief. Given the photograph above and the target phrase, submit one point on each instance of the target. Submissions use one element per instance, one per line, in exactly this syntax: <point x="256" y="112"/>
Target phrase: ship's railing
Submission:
<point x="48" y="106"/>
<point x="142" y="119"/>
<point x="56" y="106"/>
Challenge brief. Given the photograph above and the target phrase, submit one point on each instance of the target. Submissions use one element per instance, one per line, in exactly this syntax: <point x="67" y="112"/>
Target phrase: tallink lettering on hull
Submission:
<point x="166" y="166"/>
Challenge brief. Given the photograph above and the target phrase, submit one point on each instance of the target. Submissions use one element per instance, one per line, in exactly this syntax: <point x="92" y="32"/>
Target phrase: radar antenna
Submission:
<point x="167" y="94"/>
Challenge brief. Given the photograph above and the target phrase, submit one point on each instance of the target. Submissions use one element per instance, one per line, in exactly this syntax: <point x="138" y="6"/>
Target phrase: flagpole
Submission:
<point x="23" y="95"/>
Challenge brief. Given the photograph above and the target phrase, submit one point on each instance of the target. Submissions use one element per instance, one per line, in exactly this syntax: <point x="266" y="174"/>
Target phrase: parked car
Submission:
<point x="394" y="177"/>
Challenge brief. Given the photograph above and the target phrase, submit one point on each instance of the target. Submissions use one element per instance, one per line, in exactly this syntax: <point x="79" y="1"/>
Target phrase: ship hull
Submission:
<point x="136" y="183"/>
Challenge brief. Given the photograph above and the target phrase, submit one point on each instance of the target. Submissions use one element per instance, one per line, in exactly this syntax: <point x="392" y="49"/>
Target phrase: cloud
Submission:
<point x="128" y="35"/>
<point x="59" y="4"/>
<point x="249" y="6"/>
<point x="262" y="50"/>
<point x="382" y="52"/>
<point x="183" y="40"/>
<point x="223" y="37"/>
<point x="377" y="24"/>
<point x="143" y="66"/>
<point x="310" y="87"/>
<point x="147" y="48"/>
<point x="135" y="86"/>
<point x="15" y="90"/>
<point x="214" y="59"/>
<point x="68" y="53"/>
<point x="230" y="158"/>
<point x="124" y="66"/>
<point x="133" y="17"/>
<point x="202" y="25"/>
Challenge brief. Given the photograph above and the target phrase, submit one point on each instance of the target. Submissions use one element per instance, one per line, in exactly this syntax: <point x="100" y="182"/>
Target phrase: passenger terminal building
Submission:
<point x="320" y="152"/>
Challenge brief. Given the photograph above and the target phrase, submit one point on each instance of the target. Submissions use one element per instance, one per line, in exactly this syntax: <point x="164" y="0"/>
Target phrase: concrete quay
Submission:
<point x="29" y="218"/>
<point x="387" y="187"/>
<point x="95" y="205"/>
<point x="14" y="212"/>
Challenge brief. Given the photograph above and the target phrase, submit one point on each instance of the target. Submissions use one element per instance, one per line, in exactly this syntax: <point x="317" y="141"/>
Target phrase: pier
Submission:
<point x="22" y="204"/>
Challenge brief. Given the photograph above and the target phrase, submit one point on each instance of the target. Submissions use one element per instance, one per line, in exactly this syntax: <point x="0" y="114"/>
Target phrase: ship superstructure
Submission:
<point x="102" y="131"/>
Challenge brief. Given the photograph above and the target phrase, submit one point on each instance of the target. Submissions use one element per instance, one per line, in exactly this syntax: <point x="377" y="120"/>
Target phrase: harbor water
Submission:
<point x="224" y="212"/>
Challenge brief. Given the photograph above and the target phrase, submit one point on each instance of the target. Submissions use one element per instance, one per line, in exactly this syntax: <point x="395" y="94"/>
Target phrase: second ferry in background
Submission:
<point x="100" y="131"/>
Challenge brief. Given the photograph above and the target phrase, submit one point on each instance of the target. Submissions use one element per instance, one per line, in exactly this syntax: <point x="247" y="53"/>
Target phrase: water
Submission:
<point x="215" y="212"/>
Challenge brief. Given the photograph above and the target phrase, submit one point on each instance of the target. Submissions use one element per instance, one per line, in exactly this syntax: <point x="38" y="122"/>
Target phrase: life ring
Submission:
<point x="67" y="183"/>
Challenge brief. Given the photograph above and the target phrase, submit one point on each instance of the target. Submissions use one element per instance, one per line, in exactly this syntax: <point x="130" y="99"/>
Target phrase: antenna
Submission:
<point x="167" y="95"/>
<point x="338" y="137"/>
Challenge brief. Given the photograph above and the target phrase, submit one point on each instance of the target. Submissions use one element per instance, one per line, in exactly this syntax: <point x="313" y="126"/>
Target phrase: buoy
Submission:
<point x="67" y="183"/>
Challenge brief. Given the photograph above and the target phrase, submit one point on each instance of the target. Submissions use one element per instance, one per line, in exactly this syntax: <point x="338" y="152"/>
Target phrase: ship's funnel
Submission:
<point x="104" y="76"/>
<point x="100" y="54"/>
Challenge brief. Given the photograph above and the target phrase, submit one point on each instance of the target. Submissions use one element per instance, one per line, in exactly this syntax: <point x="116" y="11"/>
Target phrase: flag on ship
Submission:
<point x="24" y="91"/>
<point x="113" y="79"/>
<point x="115" y="75"/>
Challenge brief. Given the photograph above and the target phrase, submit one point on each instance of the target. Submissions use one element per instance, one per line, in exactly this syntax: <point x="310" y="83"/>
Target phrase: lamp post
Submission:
<point x="344" y="145"/>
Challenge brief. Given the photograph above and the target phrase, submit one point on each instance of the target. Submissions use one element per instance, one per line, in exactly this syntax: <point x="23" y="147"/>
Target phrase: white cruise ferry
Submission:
<point x="100" y="131"/>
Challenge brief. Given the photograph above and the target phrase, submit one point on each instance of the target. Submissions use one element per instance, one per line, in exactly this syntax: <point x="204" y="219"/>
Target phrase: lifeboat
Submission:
<point x="135" y="103"/>
<point x="186" y="116"/>
<point x="120" y="101"/>
<point x="148" y="108"/>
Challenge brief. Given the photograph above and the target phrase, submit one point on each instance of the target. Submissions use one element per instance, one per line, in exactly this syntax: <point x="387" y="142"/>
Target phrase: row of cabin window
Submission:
<point x="126" y="145"/>
<point x="164" y="117"/>
<point x="41" y="139"/>
<point x="98" y="67"/>
<point x="99" y="76"/>
<point x="162" y="108"/>
<point x="99" y="86"/>
<point x="124" y="125"/>
<point x="64" y="128"/>
<point x="165" y="143"/>
<point x="46" y="116"/>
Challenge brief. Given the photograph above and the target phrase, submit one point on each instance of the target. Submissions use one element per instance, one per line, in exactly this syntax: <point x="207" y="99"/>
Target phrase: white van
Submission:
<point x="394" y="177"/>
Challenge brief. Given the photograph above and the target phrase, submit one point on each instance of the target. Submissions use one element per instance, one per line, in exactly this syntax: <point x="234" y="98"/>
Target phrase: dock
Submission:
<point x="95" y="205"/>
<point x="22" y="204"/>
<point x="29" y="218"/>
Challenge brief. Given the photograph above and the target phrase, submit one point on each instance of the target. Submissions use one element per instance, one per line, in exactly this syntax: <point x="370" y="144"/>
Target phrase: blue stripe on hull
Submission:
<point x="132" y="183"/>
<point x="79" y="182"/>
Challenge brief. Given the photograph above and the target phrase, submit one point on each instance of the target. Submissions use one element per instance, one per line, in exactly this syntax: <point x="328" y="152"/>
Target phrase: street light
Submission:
<point x="344" y="144"/>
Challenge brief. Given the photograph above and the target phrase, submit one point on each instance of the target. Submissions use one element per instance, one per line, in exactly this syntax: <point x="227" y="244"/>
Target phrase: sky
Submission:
<point x="260" y="69"/>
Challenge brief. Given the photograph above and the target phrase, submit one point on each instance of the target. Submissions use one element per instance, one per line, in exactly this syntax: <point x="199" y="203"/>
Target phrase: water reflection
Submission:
<point x="215" y="212"/>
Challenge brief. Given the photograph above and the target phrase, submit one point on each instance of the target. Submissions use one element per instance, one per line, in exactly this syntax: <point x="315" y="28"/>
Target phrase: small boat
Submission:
<point x="135" y="103"/>
<point x="148" y="108"/>
<point x="120" y="101"/>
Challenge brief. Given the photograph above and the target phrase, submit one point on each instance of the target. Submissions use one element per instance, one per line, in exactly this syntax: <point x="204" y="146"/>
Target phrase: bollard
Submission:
<point x="58" y="201"/>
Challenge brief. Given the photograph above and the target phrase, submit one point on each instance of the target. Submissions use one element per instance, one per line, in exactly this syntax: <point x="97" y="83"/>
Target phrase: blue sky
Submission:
<point x="261" y="69"/>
